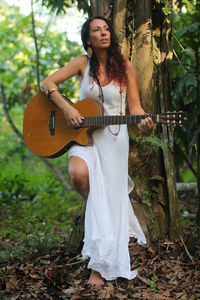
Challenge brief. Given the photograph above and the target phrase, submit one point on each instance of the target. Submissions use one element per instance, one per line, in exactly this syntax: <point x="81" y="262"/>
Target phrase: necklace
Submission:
<point x="102" y="100"/>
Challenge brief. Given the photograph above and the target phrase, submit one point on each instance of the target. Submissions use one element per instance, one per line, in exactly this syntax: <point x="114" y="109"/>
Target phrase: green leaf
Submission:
<point x="189" y="51"/>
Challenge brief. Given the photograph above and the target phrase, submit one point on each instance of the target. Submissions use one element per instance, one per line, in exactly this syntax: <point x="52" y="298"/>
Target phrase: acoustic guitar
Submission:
<point x="47" y="133"/>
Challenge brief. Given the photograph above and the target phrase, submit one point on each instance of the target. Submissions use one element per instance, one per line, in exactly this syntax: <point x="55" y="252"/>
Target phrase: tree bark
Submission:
<point x="101" y="8"/>
<point x="75" y="241"/>
<point x="163" y="101"/>
<point x="119" y="22"/>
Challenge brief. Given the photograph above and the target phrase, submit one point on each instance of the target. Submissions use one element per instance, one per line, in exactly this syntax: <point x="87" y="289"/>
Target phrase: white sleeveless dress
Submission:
<point x="109" y="217"/>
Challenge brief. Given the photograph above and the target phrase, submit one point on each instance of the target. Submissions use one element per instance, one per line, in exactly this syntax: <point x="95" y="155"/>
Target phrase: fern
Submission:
<point x="154" y="141"/>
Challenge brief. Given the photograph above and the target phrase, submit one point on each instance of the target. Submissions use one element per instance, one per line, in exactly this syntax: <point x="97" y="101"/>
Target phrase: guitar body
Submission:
<point x="45" y="128"/>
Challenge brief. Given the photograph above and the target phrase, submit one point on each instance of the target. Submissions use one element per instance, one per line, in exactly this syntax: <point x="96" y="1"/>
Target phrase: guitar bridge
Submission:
<point x="52" y="122"/>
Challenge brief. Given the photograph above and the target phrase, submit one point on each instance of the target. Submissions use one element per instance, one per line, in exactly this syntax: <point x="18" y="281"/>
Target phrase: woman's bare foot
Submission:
<point x="95" y="280"/>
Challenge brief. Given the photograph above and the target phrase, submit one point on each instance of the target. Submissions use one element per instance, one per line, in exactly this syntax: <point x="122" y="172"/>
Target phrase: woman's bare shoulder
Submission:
<point x="81" y="62"/>
<point x="81" y="59"/>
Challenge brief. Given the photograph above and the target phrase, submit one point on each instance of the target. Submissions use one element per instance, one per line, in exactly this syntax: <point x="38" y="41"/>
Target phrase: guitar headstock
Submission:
<point x="173" y="118"/>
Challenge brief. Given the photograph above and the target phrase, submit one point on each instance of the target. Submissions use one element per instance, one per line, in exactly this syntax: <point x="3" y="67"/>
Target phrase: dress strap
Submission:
<point x="86" y="73"/>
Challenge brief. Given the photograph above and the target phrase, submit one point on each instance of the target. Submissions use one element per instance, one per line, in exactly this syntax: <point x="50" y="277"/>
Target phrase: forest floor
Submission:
<point x="166" y="270"/>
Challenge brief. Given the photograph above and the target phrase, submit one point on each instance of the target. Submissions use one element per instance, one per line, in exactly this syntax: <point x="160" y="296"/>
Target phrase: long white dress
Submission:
<point x="109" y="218"/>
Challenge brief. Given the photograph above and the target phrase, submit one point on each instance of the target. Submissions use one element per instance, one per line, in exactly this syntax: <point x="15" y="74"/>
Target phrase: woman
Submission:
<point x="100" y="172"/>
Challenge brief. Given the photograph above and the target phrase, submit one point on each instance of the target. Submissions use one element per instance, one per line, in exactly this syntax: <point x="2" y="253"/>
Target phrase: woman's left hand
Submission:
<point x="146" y="125"/>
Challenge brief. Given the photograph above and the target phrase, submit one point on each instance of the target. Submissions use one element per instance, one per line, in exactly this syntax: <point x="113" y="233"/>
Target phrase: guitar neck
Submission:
<point x="90" y="121"/>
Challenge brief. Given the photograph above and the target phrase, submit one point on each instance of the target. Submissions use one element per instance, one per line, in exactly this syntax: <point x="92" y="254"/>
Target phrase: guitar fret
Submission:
<point x="100" y="121"/>
<point x="90" y="121"/>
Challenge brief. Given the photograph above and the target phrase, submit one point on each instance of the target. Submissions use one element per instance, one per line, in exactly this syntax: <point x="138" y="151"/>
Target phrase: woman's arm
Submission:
<point x="76" y="66"/>
<point x="134" y="103"/>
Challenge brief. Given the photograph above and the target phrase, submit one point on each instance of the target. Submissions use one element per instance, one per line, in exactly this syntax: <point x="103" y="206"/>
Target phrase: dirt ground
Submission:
<point x="166" y="270"/>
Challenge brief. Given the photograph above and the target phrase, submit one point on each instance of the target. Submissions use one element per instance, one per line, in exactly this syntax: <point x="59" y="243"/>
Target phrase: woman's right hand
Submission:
<point x="73" y="117"/>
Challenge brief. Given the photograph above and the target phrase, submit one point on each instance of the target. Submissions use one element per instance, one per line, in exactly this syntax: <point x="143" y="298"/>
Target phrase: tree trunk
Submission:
<point x="101" y="8"/>
<point x="144" y="158"/>
<point x="75" y="241"/>
<point x="164" y="104"/>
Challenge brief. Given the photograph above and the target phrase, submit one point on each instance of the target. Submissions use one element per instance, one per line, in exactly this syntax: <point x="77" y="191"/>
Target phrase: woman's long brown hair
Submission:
<point x="116" y="64"/>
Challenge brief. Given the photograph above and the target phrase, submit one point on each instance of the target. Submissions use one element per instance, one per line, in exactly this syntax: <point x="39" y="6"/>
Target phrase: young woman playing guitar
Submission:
<point x="100" y="172"/>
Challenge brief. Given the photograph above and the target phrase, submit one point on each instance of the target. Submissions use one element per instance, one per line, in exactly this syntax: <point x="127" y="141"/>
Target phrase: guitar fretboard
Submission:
<point x="90" y="121"/>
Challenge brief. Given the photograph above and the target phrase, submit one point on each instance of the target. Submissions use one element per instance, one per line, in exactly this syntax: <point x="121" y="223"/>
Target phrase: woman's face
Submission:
<point x="99" y="34"/>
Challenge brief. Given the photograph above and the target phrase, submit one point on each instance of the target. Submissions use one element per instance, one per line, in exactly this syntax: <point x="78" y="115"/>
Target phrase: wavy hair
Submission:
<point x="116" y="64"/>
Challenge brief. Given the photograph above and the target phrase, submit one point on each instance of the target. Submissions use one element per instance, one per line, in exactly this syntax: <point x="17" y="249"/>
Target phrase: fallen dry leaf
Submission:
<point x="162" y="276"/>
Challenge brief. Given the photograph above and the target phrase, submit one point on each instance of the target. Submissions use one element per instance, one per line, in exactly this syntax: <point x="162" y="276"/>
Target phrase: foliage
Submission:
<point x="167" y="6"/>
<point x="189" y="4"/>
<point x="148" y="140"/>
<point x="154" y="141"/>
<point x="18" y="55"/>
<point x="61" y="5"/>
<point x="35" y="210"/>
<point x="185" y="77"/>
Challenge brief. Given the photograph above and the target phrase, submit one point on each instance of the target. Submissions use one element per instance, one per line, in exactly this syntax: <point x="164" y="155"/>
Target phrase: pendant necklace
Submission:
<point x="101" y="96"/>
